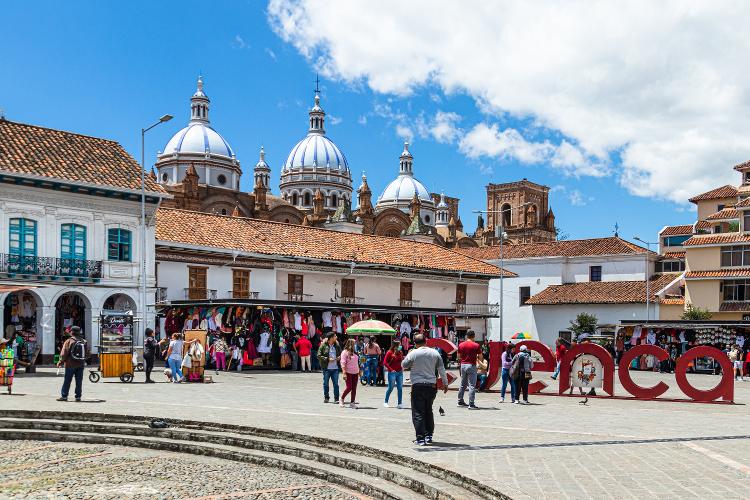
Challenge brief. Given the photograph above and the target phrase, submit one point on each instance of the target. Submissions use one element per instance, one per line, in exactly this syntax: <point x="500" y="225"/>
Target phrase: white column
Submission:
<point x="175" y="180"/>
<point x="93" y="330"/>
<point x="45" y="328"/>
<point x="207" y="173"/>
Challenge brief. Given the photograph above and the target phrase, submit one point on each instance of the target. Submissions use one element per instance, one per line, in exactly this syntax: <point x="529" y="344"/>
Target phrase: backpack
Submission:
<point x="78" y="350"/>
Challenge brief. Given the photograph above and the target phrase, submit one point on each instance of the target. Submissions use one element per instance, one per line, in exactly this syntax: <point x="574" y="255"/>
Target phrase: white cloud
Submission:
<point x="486" y="169"/>
<point x="442" y="126"/>
<point x="334" y="120"/>
<point x="362" y="120"/>
<point x="658" y="85"/>
<point x="270" y="53"/>
<point x="576" y="198"/>
<point x="239" y="43"/>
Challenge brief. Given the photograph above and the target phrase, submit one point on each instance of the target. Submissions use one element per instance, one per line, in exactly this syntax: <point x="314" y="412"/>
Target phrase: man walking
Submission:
<point x="149" y="353"/>
<point x="73" y="355"/>
<point x="468" y="351"/>
<point x="328" y="356"/>
<point x="425" y="365"/>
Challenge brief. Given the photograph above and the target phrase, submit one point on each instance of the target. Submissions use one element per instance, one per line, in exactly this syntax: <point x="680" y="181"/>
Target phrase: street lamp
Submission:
<point x="163" y="119"/>
<point x="648" y="280"/>
<point x="500" y="233"/>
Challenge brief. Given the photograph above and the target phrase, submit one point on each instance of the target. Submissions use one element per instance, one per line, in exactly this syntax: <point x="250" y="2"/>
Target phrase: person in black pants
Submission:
<point x="149" y="353"/>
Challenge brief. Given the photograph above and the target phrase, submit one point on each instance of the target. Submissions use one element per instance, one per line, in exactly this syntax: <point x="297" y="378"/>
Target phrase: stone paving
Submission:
<point x="554" y="448"/>
<point x="45" y="470"/>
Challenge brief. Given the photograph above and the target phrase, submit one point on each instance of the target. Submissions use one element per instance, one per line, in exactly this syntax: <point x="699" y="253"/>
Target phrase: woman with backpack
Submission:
<point x="520" y="370"/>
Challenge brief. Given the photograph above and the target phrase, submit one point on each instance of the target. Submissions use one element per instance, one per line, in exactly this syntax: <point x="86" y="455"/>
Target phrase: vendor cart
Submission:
<point x="7" y="369"/>
<point x="116" y="347"/>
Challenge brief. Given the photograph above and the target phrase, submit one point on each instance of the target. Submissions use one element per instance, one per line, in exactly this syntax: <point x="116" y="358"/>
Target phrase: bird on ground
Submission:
<point x="441" y="411"/>
<point x="584" y="402"/>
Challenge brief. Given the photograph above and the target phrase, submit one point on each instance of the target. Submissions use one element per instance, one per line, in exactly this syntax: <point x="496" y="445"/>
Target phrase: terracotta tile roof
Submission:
<point x="742" y="166"/>
<point x="725" y="214"/>
<point x="43" y="152"/>
<point x="742" y="272"/>
<point x="673" y="301"/>
<point x="565" y="248"/>
<point x="677" y="230"/>
<point x="276" y="238"/>
<point x="727" y="191"/>
<point x="734" y="307"/>
<point x="702" y="224"/>
<point x="714" y="239"/>
<point x="674" y="255"/>
<point x="600" y="292"/>
<point x="744" y="202"/>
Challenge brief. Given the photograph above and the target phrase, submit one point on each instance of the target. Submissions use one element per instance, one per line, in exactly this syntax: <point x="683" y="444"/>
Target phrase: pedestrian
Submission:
<point x="291" y="340"/>
<point x="482" y="369"/>
<point x="303" y="347"/>
<point x="467" y="357"/>
<point x="372" y="354"/>
<point x="560" y="351"/>
<point x="350" y="367"/>
<point x="73" y="356"/>
<point x="425" y="364"/>
<point x="329" y="355"/>
<point x="520" y="370"/>
<point x="735" y="356"/>
<point x="149" y="353"/>
<point x="163" y="348"/>
<point x="174" y="357"/>
<point x="392" y="362"/>
<point x="220" y="354"/>
<point x="506" y="361"/>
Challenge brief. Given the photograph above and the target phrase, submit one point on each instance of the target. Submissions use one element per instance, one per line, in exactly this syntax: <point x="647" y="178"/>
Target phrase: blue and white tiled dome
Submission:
<point x="401" y="190"/>
<point x="199" y="138"/>
<point x="316" y="150"/>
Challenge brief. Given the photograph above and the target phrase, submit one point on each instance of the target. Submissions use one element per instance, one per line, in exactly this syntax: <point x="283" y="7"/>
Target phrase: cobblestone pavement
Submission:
<point x="52" y="471"/>
<point x="554" y="448"/>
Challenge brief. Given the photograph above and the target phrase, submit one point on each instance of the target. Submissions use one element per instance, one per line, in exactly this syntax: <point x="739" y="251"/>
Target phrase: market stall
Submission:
<point x="116" y="349"/>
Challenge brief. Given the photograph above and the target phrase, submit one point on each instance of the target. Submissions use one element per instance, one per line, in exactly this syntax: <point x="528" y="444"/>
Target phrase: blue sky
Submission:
<point x="109" y="68"/>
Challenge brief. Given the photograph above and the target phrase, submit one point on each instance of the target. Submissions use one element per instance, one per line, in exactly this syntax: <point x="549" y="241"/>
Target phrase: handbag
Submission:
<point x="527" y="375"/>
<point x="187" y="361"/>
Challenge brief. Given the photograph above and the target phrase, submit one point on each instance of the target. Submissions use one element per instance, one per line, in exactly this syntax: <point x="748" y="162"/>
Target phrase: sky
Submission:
<point x="624" y="110"/>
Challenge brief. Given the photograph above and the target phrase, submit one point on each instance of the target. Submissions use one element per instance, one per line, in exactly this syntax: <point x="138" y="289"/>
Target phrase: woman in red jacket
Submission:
<point x="303" y="346"/>
<point x="392" y="363"/>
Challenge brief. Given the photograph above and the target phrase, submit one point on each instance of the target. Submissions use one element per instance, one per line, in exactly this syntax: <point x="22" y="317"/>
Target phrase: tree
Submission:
<point x="584" y="323"/>
<point x="693" y="313"/>
<point x="560" y="234"/>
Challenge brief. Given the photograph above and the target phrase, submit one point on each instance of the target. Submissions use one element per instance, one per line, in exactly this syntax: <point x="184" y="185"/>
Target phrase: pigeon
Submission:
<point x="584" y="402"/>
<point x="158" y="424"/>
<point x="441" y="411"/>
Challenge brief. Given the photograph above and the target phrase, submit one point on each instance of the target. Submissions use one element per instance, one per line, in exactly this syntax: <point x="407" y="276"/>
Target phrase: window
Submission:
<point x="675" y="241"/>
<point x="746" y="221"/>
<point x="719" y="208"/>
<point x="460" y="293"/>
<point x="221" y="179"/>
<point x="595" y="273"/>
<point x="118" y="244"/>
<point x="223" y="211"/>
<point x="164" y="177"/>
<point x="670" y="266"/>
<point x="73" y="241"/>
<point x="747" y="177"/>
<point x="347" y="288"/>
<point x="334" y="201"/>
<point x="405" y="291"/>
<point x="717" y="229"/>
<point x="296" y="284"/>
<point x="736" y="255"/>
<point x="426" y="219"/>
<point x="295" y="199"/>
<point x="22" y="245"/>
<point x="307" y="200"/>
<point x="736" y="290"/>
<point x="197" y="283"/>
<point x="240" y="283"/>
<point x="505" y="215"/>
<point x="524" y="294"/>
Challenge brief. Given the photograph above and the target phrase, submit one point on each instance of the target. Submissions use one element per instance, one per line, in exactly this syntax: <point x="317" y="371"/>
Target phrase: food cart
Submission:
<point x="116" y="347"/>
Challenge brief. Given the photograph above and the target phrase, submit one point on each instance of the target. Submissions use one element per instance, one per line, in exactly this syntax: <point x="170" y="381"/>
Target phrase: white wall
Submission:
<point x="539" y="273"/>
<point x="174" y="277"/>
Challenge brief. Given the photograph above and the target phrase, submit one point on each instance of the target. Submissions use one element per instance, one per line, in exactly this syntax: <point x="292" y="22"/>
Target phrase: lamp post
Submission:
<point x="648" y="280"/>
<point x="163" y="119"/>
<point x="500" y="233"/>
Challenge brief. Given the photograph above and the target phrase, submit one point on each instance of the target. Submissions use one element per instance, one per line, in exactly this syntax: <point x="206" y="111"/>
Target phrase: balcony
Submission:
<point x="408" y="303"/>
<point x="348" y="300"/>
<point x="481" y="309"/>
<point x="297" y="297"/>
<point x="50" y="267"/>
<point x="200" y="294"/>
<point x="246" y="294"/>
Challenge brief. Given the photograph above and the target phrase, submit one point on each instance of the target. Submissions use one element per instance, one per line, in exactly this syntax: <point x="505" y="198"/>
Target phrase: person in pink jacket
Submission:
<point x="350" y="367"/>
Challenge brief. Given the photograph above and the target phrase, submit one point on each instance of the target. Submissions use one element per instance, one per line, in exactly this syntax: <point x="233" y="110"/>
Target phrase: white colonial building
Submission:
<point x="70" y="244"/>
<point x="558" y="280"/>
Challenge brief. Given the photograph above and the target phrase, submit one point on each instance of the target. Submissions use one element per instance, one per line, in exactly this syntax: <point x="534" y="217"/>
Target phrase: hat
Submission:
<point x="523" y="347"/>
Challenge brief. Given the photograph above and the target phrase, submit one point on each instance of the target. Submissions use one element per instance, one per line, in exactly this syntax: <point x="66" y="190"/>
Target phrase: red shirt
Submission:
<point x="303" y="346"/>
<point x="560" y="352"/>
<point x="467" y="352"/>
<point x="393" y="361"/>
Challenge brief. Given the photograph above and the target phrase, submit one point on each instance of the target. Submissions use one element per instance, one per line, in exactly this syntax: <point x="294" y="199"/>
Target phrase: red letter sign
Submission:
<point x="548" y="365"/>
<point x="496" y="353"/>
<point x="595" y="350"/>
<point x="725" y="389"/>
<point x="627" y="382"/>
<point x="449" y="348"/>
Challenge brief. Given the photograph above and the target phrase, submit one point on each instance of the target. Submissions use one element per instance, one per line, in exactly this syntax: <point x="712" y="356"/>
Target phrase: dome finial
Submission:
<point x="200" y="83"/>
<point x="262" y="154"/>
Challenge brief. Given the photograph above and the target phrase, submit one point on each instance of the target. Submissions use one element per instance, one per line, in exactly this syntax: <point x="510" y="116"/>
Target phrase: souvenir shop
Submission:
<point x="70" y="310"/>
<point x="676" y="337"/>
<point x="260" y="335"/>
<point x="20" y="317"/>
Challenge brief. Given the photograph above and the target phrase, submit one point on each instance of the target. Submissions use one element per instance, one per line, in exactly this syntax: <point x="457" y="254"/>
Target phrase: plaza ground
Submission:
<point x="554" y="448"/>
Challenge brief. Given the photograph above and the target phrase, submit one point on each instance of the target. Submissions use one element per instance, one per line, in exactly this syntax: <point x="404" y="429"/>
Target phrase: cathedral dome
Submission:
<point x="316" y="150"/>
<point x="402" y="188"/>
<point x="198" y="138"/>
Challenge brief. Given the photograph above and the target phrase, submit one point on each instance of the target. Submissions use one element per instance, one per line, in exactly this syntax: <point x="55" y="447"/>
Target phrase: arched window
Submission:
<point x="531" y="216"/>
<point x="73" y="241"/>
<point x="505" y="215"/>
<point x="22" y="245"/>
<point x="223" y="211"/>
<point x="334" y="200"/>
<point x="306" y="202"/>
<point x="164" y="177"/>
<point x="295" y="199"/>
<point x="118" y="244"/>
